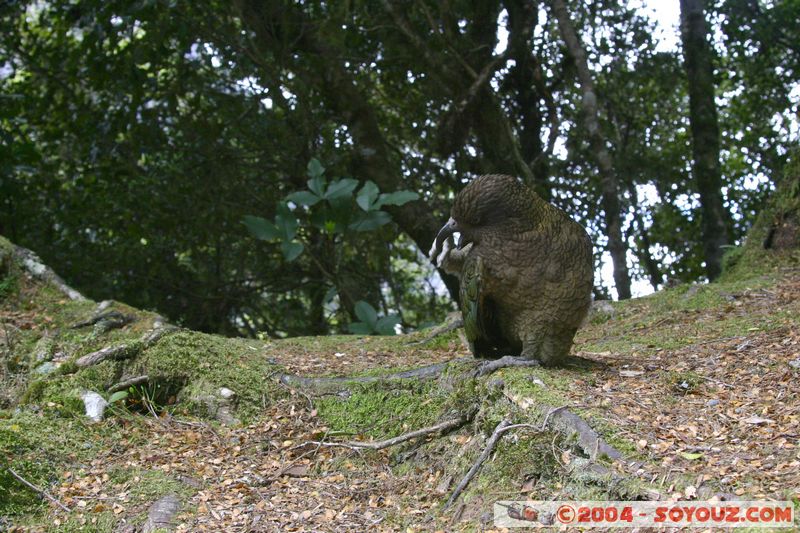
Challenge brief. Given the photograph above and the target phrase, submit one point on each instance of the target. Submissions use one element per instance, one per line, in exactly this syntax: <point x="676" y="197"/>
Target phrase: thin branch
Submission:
<point x="441" y="427"/>
<point x="334" y="384"/>
<point x="501" y="429"/>
<point x="36" y="489"/>
<point x="124" y="384"/>
<point x="487" y="451"/>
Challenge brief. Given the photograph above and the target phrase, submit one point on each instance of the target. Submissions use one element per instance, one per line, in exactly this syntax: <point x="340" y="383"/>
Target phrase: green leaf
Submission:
<point x="287" y="224"/>
<point x="291" y="250"/>
<point x="385" y="325"/>
<point x="341" y="188"/>
<point x="370" y="221"/>
<point x="397" y="198"/>
<point x="261" y="228"/>
<point x="360" y="328"/>
<point x="317" y="185"/>
<point x="366" y="313"/>
<point x="315" y="170"/>
<point x="691" y="456"/>
<point x="117" y="396"/>
<point x="367" y="196"/>
<point x="303" y="198"/>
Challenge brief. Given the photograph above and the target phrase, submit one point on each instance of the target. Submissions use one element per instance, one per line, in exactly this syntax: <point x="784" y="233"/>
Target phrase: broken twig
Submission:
<point x="487" y="451"/>
<point x="441" y="427"/>
<point x="34" y="488"/>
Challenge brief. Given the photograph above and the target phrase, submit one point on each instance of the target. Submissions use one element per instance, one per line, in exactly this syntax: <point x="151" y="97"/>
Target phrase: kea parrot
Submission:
<point x="525" y="270"/>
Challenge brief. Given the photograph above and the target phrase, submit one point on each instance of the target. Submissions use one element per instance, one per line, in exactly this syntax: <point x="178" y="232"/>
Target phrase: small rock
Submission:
<point x="537" y="381"/>
<point x="219" y="406"/>
<point x="712" y="403"/>
<point x="95" y="405"/>
<point x="161" y="513"/>
<point x="795" y="363"/>
<point x="190" y="481"/>
<point x="497" y="384"/>
<point x="630" y="373"/>
<point x="46" y="368"/>
<point x="226" y="393"/>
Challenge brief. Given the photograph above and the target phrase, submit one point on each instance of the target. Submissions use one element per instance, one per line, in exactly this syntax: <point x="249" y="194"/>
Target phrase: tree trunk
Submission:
<point x="526" y="79"/>
<point x="705" y="134"/>
<point x="608" y="180"/>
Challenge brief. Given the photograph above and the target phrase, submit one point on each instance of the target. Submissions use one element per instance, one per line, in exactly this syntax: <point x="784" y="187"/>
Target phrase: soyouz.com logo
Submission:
<point x="644" y="514"/>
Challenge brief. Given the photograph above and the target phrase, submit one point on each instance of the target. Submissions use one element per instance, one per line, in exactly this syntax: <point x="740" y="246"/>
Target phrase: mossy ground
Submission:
<point x="644" y="377"/>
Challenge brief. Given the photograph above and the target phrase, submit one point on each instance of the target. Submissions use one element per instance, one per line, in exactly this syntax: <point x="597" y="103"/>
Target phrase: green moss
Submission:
<point x="15" y="498"/>
<point x="37" y="445"/>
<point x="9" y="286"/>
<point x="147" y="486"/>
<point x="6" y="253"/>
<point x="517" y="459"/>
<point x="378" y="411"/>
<point x="682" y="316"/>
<point x="783" y="204"/>
<point x="237" y="364"/>
<point x="177" y="359"/>
<point x="34" y="392"/>
<point x="525" y="383"/>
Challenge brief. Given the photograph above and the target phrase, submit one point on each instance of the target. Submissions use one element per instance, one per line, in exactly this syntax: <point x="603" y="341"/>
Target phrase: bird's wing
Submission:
<point x="477" y="308"/>
<point x="481" y="324"/>
<point x="471" y="281"/>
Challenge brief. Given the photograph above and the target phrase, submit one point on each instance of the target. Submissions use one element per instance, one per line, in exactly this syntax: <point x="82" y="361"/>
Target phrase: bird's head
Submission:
<point x="489" y="203"/>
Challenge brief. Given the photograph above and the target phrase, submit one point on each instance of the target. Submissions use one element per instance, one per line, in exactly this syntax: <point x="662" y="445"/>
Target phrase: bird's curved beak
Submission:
<point x="447" y="230"/>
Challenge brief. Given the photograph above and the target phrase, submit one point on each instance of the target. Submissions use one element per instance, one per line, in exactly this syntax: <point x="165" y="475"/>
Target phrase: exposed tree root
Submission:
<point x="124" y="351"/>
<point x="566" y="422"/>
<point x="487" y="451"/>
<point x="122" y="385"/>
<point x="509" y="361"/>
<point x="337" y="384"/>
<point x="31" y="262"/>
<point x="325" y="385"/>
<point x="105" y="320"/>
<point x="161" y="513"/>
<point x="41" y="492"/>
<point x="441" y="427"/>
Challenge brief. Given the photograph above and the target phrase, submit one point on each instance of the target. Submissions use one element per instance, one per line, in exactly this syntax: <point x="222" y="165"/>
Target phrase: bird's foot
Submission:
<point x="508" y="361"/>
<point x="450" y="258"/>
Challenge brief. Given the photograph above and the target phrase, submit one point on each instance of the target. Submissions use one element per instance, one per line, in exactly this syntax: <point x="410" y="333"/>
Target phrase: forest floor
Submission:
<point x="697" y="386"/>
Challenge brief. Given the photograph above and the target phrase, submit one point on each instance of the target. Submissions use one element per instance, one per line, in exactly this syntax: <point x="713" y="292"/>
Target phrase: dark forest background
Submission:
<point x="144" y="145"/>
